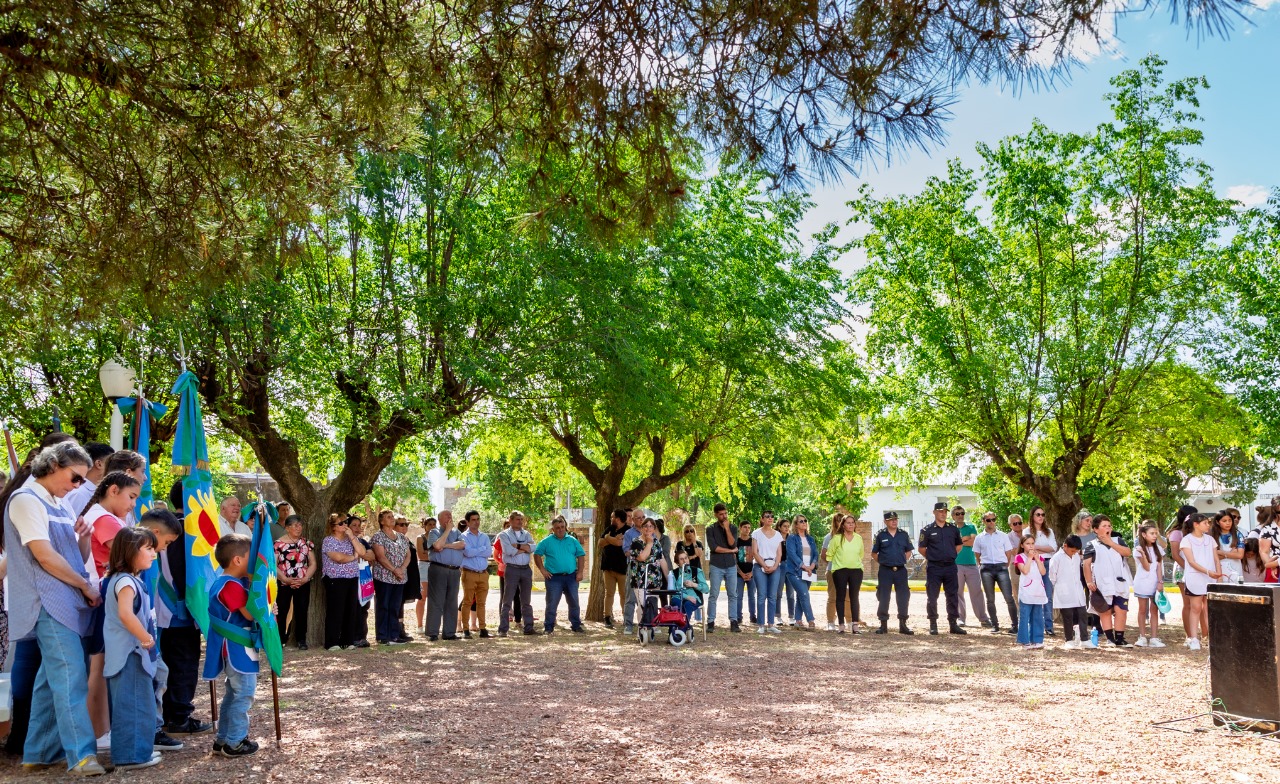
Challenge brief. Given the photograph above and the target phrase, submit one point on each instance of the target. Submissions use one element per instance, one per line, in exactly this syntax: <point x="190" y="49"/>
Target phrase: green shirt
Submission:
<point x="965" y="558"/>
<point x="560" y="556"/>
<point x="845" y="554"/>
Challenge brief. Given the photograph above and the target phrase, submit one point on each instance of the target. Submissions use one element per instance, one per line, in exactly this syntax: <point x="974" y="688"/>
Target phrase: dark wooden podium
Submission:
<point x="1244" y="664"/>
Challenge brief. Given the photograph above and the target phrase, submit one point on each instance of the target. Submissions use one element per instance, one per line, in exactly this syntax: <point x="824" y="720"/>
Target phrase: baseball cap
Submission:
<point x="941" y="506"/>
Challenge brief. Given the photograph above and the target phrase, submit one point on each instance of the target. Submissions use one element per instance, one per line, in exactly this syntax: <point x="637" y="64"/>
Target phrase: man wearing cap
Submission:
<point x="890" y="550"/>
<point x="940" y="543"/>
<point x="1015" y="544"/>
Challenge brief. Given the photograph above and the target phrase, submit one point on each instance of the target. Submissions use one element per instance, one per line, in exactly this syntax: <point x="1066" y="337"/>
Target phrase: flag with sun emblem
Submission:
<point x="200" y="524"/>
<point x="262" y="586"/>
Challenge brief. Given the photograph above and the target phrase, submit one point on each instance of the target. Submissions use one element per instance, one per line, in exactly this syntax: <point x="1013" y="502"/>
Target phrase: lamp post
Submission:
<point x="117" y="382"/>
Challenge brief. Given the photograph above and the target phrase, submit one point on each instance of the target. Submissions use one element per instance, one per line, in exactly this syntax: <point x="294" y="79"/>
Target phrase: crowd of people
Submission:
<point x="107" y="656"/>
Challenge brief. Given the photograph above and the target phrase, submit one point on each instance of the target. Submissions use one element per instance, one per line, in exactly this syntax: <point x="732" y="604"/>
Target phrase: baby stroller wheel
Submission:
<point x="678" y="637"/>
<point x="646" y="635"/>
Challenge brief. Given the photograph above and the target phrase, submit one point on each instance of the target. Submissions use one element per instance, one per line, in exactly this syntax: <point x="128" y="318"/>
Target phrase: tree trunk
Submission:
<point x="606" y="502"/>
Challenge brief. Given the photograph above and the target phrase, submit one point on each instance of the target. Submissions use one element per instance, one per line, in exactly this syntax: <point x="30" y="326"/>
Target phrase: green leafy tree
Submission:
<point x="1045" y="327"/>
<point x="718" y="323"/>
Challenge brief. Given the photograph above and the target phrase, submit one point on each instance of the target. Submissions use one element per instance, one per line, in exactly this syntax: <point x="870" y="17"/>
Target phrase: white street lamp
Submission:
<point x="117" y="382"/>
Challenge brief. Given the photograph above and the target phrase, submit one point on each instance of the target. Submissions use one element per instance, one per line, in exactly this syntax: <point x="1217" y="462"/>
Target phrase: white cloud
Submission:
<point x="1265" y="4"/>
<point x="1248" y="195"/>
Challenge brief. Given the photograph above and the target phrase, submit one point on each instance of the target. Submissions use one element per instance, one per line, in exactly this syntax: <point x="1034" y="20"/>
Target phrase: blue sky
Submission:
<point x="1241" y="109"/>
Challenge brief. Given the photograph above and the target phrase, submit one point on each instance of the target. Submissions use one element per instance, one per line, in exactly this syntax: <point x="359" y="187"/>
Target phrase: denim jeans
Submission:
<point x="237" y="699"/>
<point x="784" y="587"/>
<point x="22" y="682"/>
<point x="1048" y="616"/>
<point x="999" y="575"/>
<point x="160" y="684"/>
<point x="1030" y="623"/>
<point x="133" y="713"/>
<point x="387" y="598"/>
<point x="766" y="594"/>
<point x="565" y="585"/>
<point x="800" y="589"/>
<point x="747" y="591"/>
<point x="59" y="727"/>
<point x="729" y="576"/>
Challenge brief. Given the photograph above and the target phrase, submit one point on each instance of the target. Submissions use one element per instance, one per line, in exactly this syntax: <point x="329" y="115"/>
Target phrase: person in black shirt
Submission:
<point x="940" y="543"/>
<point x="613" y="563"/>
<point x="891" y="549"/>
<point x="745" y="563"/>
<point x="722" y="541"/>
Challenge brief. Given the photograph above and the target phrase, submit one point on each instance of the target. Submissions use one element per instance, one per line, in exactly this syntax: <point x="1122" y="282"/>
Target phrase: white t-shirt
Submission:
<point x="806" y="556"/>
<point x="1030" y="585"/>
<point x="29" y="516"/>
<point x="1232" y="570"/>
<point x="767" y="546"/>
<point x="1147" y="581"/>
<point x="1047" y="539"/>
<point x="1201" y="550"/>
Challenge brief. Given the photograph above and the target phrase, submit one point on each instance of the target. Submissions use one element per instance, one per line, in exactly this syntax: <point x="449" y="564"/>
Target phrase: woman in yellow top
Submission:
<point x="845" y="555"/>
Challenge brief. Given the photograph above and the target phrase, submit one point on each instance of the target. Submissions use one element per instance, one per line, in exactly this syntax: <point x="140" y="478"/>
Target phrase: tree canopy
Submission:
<point x="1040" y="312"/>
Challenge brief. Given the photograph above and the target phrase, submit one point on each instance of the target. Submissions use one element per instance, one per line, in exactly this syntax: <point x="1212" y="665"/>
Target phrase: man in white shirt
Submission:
<point x="517" y="552"/>
<point x="229" y="517"/>
<point x="994" y="550"/>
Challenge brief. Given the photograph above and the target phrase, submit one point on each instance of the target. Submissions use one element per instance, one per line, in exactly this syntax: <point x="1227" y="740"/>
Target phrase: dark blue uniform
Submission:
<point x="892" y="552"/>
<point x="941" y="543"/>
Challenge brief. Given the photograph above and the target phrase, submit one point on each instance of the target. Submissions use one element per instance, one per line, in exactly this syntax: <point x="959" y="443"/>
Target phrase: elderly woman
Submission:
<point x="341" y="552"/>
<point x="391" y="554"/>
<point x="295" y="566"/>
<point x="648" y="566"/>
<point x="687" y="578"/>
<point x="50" y="596"/>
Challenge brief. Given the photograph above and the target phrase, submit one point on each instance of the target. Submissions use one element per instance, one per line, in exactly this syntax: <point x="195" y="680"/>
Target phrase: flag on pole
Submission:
<point x="143" y="414"/>
<point x="200" y="523"/>
<point x="262" y="586"/>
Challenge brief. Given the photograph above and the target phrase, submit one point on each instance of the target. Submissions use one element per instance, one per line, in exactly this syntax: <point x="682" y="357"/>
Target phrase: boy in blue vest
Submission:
<point x="232" y="646"/>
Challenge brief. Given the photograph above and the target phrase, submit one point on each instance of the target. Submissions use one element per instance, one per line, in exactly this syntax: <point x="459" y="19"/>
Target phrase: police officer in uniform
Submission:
<point x="940" y="543"/>
<point x="891" y="550"/>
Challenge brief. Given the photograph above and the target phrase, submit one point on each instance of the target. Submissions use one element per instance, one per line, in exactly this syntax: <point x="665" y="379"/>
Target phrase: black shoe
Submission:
<point x="165" y="743"/>
<point x="884" y="628"/>
<point x="933" y="627"/>
<point x="484" y="634"/>
<point x="1051" y="633"/>
<point x="466" y="633"/>
<point x="431" y="638"/>
<point x="189" y="727"/>
<point x="753" y="621"/>
<point x="995" y="629"/>
<point x="242" y="749"/>
<point x="384" y="642"/>
<point x="218" y="746"/>
<point x="531" y="632"/>
<point x="955" y="629"/>
<point x="302" y="646"/>
<point x="578" y="630"/>
<point x="903" y="628"/>
<point x="361" y="644"/>
<point x="404" y="639"/>
<point x="608" y="621"/>
<point x="711" y="626"/>
<point x="734" y="627"/>
<point x="454" y="637"/>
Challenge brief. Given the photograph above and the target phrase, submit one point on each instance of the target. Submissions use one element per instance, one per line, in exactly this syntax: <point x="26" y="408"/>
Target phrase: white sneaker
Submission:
<point x="774" y="630"/>
<point x="1071" y="645"/>
<point x="831" y="627"/>
<point x="1141" y="643"/>
<point x="104" y="743"/>
<point x="1035" y="646"/>
<point x="1154" y="642"/>
<point x="759" y="630"/>
<point x="1090" y="644"/>
<point x="1193" y="644"/>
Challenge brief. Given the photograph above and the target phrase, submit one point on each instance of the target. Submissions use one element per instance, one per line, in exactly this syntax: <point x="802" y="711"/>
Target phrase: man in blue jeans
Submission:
<point x="721" y="542"/>
<point x="560" y="559"/>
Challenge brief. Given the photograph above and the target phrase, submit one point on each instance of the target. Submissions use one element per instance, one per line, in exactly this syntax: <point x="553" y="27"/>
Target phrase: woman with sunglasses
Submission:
<point x="1046" y="545"/>
<point x="801" y="563"/>
<point x="50" y="596"/>
<point x="341" y="553"/>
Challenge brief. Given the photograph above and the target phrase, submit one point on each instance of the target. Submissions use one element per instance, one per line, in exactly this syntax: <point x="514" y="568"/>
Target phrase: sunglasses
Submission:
<point x="957" y="514"/>
<point x="988" y="519"/>
<point x="78" y="479"/>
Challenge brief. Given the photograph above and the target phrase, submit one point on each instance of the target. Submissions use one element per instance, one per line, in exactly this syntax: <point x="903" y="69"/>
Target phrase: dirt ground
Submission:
<point x="800" y="706"/>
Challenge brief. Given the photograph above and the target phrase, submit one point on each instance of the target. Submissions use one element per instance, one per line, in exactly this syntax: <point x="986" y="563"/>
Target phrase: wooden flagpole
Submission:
<point x="275" y="704"/>
<point x="213" y="701"/>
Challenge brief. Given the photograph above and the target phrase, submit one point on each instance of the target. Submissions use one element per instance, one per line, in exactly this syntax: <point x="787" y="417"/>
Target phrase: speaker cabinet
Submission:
<point x="1243" y="667"/>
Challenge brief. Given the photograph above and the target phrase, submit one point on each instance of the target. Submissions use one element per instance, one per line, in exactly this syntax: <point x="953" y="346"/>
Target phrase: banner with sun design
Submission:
<point x="262" y="586"/>
<point x="191" y="462"/>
